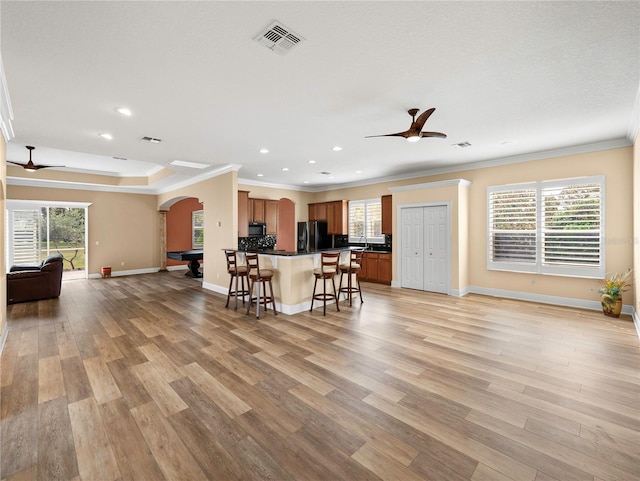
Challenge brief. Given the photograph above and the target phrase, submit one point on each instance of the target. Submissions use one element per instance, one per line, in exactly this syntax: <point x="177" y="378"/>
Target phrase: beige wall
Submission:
<point x="3" y="213"/>
<point x="470" y="271"/>
<point x="125" y="226"/>
<point x="219" y="197"/>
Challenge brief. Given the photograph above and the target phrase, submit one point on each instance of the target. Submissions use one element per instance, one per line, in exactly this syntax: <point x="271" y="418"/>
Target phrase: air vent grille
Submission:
<point x="278" y="38"/>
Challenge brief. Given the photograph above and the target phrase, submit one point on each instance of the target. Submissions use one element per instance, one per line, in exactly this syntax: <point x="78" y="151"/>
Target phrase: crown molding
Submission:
<point x="432" y="185"/>
<point x="6" y="112"/>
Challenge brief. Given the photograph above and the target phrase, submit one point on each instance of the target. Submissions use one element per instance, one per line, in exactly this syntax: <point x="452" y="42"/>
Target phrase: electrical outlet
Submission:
<point x="122" y="263"/>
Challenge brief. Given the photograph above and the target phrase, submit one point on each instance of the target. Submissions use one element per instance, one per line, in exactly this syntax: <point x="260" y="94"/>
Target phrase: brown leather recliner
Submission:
<point x="34" y="282"/>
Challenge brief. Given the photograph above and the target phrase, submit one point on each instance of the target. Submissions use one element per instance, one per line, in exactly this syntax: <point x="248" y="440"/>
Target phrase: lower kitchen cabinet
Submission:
<point x="376" y="267"/>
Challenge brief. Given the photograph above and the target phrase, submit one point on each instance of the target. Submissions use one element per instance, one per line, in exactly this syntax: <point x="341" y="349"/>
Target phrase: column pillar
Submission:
<point x="163" y="241"/>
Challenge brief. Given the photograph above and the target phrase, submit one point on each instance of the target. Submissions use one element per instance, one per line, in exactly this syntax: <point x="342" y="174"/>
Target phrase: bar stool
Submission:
<point x="262" y="277"/>
<point x="352" y="268"/>
<point x="236" y="272"/>
<point x="327" y="270"/>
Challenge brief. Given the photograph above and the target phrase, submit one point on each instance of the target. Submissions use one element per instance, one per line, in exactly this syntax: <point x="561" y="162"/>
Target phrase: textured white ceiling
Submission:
<point x="539" y="75"/>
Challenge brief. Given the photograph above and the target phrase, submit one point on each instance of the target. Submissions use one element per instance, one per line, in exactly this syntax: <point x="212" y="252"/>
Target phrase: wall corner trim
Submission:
<point x="432" y="185"/>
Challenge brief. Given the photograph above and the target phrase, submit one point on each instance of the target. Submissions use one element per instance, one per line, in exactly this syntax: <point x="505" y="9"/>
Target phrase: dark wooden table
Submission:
<point x="193" y="256"/>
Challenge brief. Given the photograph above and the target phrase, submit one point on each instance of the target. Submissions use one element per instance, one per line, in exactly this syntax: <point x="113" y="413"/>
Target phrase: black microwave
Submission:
<point x="257" y="229"/>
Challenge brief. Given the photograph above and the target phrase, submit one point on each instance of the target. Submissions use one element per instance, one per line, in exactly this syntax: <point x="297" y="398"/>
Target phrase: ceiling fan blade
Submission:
<point x="15" y="163"/>
<point x="433" y="134"/>
<point x="398" y="134"/>
<point x="420" y="121"/>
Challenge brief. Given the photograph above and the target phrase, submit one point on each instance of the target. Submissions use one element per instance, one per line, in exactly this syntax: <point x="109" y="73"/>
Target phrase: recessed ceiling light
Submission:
<point x="106" y="136"/>
<point x="311" y="161"/>
<point x="193" y="165"/>
<point x="285" y="169"/>
<point x="264" y="151"/>
<point x="260" y="175"/>
<point x="337" y="148"/>
<point x="306" y="182"/>
<point x="124" y="111"/>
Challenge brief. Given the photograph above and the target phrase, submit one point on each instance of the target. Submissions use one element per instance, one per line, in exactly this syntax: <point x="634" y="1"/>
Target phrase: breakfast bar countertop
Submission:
<point x="276" y="252"/>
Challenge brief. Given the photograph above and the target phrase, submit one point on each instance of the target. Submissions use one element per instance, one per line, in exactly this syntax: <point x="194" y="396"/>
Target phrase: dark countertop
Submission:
<point x="283" y="253"/>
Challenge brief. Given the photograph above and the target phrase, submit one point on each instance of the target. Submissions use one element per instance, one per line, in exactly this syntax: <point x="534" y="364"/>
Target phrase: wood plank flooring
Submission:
<point x="150" y="378"/>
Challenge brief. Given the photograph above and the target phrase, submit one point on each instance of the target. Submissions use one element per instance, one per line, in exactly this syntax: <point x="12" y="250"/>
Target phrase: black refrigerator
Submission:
<point x="312" y="236"/>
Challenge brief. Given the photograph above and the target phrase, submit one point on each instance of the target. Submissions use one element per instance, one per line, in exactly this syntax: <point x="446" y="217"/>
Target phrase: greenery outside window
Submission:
<point x="197" y="229"/>
<point x="365" y="221"/>
<point x="547" y="227"/>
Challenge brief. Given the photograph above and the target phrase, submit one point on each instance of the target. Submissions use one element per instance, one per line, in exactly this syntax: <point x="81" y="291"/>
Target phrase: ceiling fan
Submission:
<point x="30" y="166"/>
<point x="415" y="132"/>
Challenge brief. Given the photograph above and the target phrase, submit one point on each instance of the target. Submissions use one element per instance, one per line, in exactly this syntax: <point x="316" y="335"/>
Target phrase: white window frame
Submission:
<point x="540" y="265"/>
<point x="197" y="226"/>
<point x="369" y="238"/>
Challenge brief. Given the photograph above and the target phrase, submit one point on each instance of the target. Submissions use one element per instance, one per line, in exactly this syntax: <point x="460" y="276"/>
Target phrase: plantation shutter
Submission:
<point x="512" y="226"/>
<point x="571" y="225"/>
<point x="25" y="237"/>
<point x="547" y="227"/>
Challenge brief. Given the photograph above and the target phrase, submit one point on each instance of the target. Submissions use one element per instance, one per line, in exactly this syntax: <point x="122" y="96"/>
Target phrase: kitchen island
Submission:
<point x="293" y="275"/>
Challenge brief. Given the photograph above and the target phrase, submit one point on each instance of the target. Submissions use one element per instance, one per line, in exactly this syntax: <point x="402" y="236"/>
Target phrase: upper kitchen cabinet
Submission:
<point x="318" y="211"/>
<point x="338" y="217"/>
<point x="243" y="213"/>
<point x="256" y="210"/>
<point x="387" y="224"/>
<point x="271" y="216"/>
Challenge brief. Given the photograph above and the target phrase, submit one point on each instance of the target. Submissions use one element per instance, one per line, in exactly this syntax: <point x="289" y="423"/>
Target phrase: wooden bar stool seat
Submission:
<point x="327" y="271"/>
<point x="236" y="271"/>
<point x="261" y="277"/>
<point x="352" y="268"/>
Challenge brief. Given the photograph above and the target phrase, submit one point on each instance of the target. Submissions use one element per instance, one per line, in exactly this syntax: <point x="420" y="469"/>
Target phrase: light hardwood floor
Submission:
<point x="151" y="378"/>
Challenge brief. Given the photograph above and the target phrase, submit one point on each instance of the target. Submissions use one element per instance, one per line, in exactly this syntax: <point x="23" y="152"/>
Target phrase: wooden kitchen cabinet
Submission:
<point x="376" y="267"/>
<point x="318" y="211"/>
<point x="338" y="217"/>
<point x="387" y="214"/>
<point x="243" y="213"/>
<point x="271" y="216"/>
<point x="256" y="210"/>
<point x="384" y="268"/>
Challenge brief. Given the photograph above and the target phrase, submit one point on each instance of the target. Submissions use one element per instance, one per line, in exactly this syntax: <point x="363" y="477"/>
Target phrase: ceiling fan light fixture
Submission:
<point x="413" y="138"/>
<point x="30" y="168"/>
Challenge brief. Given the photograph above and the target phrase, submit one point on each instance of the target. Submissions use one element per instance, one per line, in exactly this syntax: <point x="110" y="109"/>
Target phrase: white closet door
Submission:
<point x="413" y="248"/>
<point x="436" y="252"/>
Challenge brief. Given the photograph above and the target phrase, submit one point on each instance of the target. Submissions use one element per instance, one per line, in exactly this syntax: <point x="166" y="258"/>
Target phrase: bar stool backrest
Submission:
<point x="329" y="262"/>
<point x="253" y="266"/>
<point x="232" y="261"/>
<point x="355" y="259"/>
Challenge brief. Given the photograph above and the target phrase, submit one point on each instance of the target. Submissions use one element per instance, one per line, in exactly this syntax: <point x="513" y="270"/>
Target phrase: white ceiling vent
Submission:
<point x="278" y="38"/>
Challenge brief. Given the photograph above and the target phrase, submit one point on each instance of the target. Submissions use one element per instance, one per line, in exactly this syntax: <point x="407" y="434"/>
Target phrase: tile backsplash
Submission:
<point x="267" y="242"/>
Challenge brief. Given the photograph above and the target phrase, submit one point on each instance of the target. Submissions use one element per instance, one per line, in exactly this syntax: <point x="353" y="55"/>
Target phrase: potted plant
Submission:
<point x="611" y="293"/>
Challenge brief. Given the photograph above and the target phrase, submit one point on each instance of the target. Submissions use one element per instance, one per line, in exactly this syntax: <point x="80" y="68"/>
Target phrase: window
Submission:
<point x="547" y="227"/>
<point x="197" y="229"/>
<point x="365" y="221"/>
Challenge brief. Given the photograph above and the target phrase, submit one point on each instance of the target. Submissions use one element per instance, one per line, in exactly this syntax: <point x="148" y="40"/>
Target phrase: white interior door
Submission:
<point x="413" y="248"/>
<point x="425" y="248"/>
<point x="436" y="251"/>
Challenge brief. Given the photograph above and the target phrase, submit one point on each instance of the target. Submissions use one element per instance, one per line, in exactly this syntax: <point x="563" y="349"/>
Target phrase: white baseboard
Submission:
<point x="132" y="272"/>
<point x="636" y="321"/>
